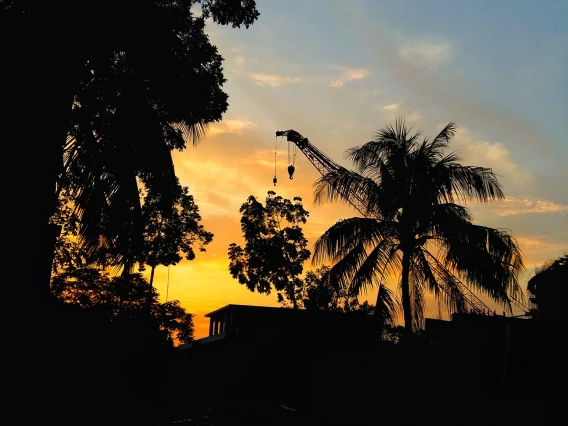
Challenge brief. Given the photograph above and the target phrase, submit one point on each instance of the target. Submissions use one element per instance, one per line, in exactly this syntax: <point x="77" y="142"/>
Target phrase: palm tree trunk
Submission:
<point x="405" y="287"/>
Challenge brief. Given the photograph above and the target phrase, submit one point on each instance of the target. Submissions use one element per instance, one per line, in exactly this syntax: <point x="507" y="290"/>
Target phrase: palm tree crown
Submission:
<point x="414" y="227"/>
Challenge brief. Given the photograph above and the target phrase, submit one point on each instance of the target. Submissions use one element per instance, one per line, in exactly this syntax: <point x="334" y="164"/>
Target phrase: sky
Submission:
<point x="336" y="71"/>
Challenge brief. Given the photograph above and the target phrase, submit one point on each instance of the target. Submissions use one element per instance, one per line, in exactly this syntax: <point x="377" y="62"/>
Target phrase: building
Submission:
<point x="262" y="328"/>
<point x="499" y="351"/>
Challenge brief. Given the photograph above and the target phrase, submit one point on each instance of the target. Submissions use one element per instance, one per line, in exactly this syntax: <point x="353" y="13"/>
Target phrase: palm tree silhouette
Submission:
<point x="414" y="227"/>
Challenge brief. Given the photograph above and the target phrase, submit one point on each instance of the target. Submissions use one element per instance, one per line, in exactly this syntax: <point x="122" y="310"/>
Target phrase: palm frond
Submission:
<point x="387" y="306"/>
<point x="474" y="183"/>
<point x="442" y="140"/>
<point x="347" y="266"/>
<point x="448" y="293"/>
<point x="391" y="144"/>
<point x="195" y="132"/>
<point x="346" y="234"/>
<point x="382" y="262"/>
<point x="488" y="259"/>
<point x="353" y="188"/>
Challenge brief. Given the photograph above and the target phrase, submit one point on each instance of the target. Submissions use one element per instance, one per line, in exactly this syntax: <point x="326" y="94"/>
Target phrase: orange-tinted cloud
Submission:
<point x="348" y="74"/>
<point x="273" y="80"/>
<point x="230" y="126"/>
<point x="517" y="205"/>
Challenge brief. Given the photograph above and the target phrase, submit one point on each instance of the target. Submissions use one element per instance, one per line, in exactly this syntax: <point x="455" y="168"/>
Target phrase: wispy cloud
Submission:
<point x="273" y="80"/>
<point x="348" y="74"/>
<point x="422" y="52"/>
<point x="399" y="109"/>
<point x="230" y="126"/>
<point x="517" y="205"/>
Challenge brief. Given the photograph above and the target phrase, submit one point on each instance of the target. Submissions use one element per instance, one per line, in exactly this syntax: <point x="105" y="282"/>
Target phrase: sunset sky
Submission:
<point x="338" y="70"/>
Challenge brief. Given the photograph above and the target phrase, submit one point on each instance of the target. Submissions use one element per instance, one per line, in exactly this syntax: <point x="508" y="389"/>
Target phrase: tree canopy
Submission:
<point x="275" y="246"/>
<point x="126" y="84"/>
<point x="122" y="297"/>
<point x="169" y="234"/>
<point x="82" y="277"/>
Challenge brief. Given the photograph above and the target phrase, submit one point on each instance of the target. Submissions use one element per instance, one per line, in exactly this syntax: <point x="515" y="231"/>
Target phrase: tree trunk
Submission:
<point x="405" y="287"/>
<point x="151" y="283"/>
<point x="38" y="82"/>
<point x="37" y="95"/>
<point x="293" y="297"/>
<point x="152" y="276"/>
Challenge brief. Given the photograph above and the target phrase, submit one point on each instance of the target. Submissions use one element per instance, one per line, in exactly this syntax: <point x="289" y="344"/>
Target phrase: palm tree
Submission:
<point x="413" y="227"/>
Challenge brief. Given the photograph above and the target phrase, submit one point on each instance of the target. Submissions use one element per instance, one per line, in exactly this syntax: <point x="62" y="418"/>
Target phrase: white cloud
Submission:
<point x="230" y="126"/>
<point x="477" y="152"/>
<point x="400" y="110"/>
<point x="517" y="205"/>
<point x="348" y="74"/>
<point x="422" y="52"/>
<point x="273" y="80"/>
<point x="239" y="60"/>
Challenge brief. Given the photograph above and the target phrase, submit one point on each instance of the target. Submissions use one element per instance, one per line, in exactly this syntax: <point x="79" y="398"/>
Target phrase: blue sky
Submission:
<point x="337" y="71"/>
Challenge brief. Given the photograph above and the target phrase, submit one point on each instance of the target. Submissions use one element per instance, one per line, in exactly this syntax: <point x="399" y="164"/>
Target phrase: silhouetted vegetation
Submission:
<point x="82" y="276"/>
<point x="409" y="190"/>
<point x="111" y="89"/>
<point x="317" y="292"/>
<point x="549" y="288"/>
<point x="97" y="96"/>
<point x="275" y="246"/>
<point x="169" y="233"/>
<point x="130" y="85"/>
<point x="123" y="297"/>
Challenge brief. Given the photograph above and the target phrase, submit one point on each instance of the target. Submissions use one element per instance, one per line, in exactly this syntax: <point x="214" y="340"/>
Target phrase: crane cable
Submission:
<point x="292" y="158"/>
<point x="168" y="285"/>
<point x="274" y="180"/>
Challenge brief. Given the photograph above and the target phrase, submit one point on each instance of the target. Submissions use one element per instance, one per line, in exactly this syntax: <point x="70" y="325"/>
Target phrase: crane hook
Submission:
<point x="291" y="169"/>
<point x="274" y="180"/>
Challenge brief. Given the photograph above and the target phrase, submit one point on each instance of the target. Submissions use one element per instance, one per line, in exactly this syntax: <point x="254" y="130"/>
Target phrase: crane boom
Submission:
<point x="324" y="165"/>
<point x="321" y="162"/>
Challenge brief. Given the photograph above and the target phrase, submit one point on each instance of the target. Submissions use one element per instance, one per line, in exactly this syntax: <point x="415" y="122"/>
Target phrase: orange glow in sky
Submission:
<point x="338" y="71"/>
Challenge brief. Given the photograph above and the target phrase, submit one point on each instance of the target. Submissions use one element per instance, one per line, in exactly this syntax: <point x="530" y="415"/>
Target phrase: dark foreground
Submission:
<point x="73" y="368"/>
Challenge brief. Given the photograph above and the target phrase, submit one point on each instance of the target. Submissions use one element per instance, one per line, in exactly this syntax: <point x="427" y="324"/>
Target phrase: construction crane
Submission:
<point x="468" y="301"/>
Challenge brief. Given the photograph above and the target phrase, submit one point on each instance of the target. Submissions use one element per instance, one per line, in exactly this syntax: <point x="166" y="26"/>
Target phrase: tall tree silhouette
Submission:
<point x="128" y="79"/>
<point x="414" y="228"/>
<point x="169" y="234"/>
<point x="275" y="246"/>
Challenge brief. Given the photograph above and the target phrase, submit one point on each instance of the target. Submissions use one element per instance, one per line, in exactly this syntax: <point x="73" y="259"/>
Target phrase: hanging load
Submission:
<point x="292" y="151"/>
<point x="291" y="169"/>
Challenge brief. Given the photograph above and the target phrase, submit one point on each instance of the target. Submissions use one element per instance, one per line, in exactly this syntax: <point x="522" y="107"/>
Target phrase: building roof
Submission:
<point x="247" y="307"/>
